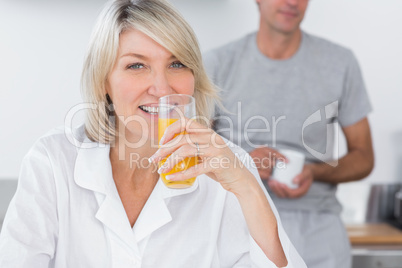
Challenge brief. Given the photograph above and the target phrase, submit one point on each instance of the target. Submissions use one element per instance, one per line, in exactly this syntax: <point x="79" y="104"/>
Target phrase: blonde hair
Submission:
<point x="161" y="22"/>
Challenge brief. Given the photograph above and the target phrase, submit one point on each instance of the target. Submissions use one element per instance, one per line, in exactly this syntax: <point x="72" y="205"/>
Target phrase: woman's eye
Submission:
<point x="136" y="66"/>
<point x="178" y="64"/>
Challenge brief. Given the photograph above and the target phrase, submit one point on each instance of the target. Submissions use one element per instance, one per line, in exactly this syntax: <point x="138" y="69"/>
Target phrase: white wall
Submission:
<point x="42" y="44"/>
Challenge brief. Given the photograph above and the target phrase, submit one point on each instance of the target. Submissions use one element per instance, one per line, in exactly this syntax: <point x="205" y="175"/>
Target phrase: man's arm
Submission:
<point x="356" y="164"/>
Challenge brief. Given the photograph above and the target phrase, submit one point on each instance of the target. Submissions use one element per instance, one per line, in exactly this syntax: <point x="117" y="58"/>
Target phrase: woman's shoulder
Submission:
<point x="61" y="140"/>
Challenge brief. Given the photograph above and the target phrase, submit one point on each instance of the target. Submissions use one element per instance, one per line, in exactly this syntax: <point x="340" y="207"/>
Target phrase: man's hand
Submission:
<point x="304" y="180"/>
<point x="264" y="158"/>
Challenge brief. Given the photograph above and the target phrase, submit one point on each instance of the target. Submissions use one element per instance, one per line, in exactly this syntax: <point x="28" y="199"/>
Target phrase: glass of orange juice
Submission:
<point x="171" y="109"/>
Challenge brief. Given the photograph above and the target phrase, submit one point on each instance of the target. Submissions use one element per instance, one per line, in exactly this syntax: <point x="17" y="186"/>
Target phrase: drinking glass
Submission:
<point x="171" y="109"/>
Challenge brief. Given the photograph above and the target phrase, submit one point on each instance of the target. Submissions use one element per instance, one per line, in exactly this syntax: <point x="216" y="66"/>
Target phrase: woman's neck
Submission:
<point x="131" y="162"/>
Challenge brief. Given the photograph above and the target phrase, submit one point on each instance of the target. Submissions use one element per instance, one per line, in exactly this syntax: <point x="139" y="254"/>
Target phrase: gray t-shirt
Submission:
<point x="292" y="104"/>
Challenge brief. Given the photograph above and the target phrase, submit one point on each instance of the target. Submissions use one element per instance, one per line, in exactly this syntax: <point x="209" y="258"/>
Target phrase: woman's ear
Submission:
<point x="108" y="99"/>
<point x="109" y="106"/>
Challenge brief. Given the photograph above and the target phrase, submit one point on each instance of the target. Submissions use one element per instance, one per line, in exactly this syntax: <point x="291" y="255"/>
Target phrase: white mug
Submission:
<point x="285" y="172"/>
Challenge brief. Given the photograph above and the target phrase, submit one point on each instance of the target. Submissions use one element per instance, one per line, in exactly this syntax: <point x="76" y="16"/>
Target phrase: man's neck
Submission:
<point x="276" y="45"/>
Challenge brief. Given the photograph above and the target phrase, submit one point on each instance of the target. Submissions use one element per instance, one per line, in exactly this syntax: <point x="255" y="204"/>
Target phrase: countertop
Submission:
<point x="374" y="234"/>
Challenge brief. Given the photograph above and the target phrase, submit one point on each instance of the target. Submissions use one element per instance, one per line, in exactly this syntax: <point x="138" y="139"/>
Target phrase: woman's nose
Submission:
<point x="292" y="2"/>
<point x="160" y="86"/>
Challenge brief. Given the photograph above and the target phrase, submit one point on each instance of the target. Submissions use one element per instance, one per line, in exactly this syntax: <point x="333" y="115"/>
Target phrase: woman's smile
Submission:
<point x="151" y="109"/>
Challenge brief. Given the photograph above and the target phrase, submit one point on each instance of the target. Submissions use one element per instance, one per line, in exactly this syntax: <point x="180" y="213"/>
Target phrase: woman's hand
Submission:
<point x="216" y="159"/>
<point x="219" y="162"/>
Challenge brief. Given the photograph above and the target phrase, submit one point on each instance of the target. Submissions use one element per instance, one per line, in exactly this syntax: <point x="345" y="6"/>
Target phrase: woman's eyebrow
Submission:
<point x="131" y="54"/>
<point x="143" y="57"/>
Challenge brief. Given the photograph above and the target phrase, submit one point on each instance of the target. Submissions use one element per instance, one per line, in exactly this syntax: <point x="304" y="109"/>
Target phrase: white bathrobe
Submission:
<point x="67" y="213"/>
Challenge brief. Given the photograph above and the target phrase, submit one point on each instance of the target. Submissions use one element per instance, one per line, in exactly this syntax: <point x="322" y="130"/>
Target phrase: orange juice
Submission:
<point x="188" y="162"/>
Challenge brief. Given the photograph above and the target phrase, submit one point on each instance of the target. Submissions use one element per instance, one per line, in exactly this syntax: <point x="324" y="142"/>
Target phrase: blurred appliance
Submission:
<point x="398" y="207"/>
<point x="382" y="207"/>
<point x="381" y="203"/>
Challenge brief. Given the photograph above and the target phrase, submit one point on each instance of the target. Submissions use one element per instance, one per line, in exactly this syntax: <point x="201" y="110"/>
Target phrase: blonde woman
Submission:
<point x="81" y="202"/>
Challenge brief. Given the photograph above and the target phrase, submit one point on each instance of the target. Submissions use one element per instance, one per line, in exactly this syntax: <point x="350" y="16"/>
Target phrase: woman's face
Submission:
<point x="144" y="72"/>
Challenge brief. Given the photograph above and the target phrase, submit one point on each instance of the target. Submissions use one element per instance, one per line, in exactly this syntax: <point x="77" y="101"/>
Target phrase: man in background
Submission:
<point x="286" y="89"/>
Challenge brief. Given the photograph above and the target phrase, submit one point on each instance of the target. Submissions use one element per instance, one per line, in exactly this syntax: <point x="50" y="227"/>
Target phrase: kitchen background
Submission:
<point x="42" y="45"/>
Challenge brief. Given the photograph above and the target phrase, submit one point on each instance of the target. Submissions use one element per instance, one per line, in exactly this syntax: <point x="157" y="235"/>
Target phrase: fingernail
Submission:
<point x="153" y="157"/>
<point x="170" y="177"/>
<point x="162" y="168"/>
<point x="162" y="140"/>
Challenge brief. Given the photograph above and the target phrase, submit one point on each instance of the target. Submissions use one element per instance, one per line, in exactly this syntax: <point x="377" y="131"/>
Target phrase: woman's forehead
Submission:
<point x="137" y="43"/>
